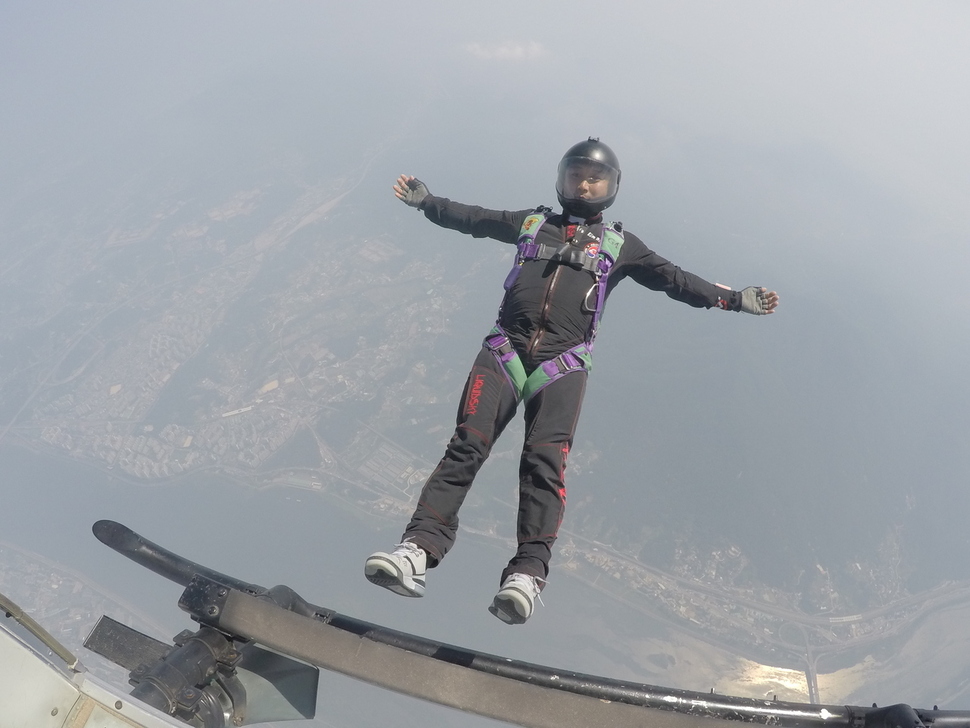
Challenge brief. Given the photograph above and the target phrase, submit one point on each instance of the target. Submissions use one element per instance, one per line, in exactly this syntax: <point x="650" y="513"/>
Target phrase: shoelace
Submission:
<point x="410" y="548"/>
<point x="533" y="583"/>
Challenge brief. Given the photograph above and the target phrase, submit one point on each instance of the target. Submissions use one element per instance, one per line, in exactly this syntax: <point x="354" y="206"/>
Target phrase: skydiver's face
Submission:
<point x="587" y="181"/>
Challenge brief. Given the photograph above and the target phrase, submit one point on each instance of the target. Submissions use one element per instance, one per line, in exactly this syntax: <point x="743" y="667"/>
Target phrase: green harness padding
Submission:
<point x="612" y="242"/>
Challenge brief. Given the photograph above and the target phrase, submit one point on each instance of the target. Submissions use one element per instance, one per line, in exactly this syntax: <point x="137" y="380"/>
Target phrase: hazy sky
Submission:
<point x="771" y="112"/>
<point x="879" y="84"/>
<point x="819" y="148"/>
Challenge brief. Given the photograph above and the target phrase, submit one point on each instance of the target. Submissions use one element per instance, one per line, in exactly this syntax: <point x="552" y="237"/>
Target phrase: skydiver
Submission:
<point x="538" y="353"/>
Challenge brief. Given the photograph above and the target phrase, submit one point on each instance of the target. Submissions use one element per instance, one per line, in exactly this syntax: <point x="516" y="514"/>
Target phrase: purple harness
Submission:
<point x="600" y="255"/>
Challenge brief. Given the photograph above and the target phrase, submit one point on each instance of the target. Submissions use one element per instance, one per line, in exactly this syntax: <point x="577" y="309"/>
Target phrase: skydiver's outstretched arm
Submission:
<point x="410" y="190"/>
<point x="473" y="220"/>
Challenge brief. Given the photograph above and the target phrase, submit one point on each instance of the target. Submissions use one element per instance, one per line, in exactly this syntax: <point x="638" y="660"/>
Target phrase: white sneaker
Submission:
<point x="402" y="571"/>
<point x="516" y="600"/>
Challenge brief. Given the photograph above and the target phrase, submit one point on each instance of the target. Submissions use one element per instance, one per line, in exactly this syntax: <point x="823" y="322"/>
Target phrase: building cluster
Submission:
<point x="334" y="334"/>
<point x="703" y="591"/>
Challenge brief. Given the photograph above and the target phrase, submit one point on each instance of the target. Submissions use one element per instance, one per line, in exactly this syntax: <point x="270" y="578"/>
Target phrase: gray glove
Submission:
<point x="414" y="193"/>
<point x="754" y="300"/>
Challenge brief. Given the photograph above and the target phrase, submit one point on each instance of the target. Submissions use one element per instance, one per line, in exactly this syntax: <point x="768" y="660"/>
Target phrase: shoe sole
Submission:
<point x="384" y="573"/>
<point x="506" y="608"/>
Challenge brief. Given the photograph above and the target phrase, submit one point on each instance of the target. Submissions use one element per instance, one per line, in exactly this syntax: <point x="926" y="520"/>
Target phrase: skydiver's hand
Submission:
<point x="410" y="190"/>
<point x="758" y="301"/>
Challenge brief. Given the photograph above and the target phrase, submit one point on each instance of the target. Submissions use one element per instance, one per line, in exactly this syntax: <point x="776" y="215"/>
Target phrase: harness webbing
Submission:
<point x="602" y="256"/>
<point x="528" y="248"/>
<point x="578" y="358"/>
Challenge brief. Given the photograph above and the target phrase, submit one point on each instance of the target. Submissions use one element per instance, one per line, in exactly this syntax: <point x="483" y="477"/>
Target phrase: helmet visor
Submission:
<point x="581" y="178"/>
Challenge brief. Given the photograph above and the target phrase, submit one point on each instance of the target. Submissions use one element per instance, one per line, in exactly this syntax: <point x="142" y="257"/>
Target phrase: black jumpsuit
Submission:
<point x="545" y="312"/>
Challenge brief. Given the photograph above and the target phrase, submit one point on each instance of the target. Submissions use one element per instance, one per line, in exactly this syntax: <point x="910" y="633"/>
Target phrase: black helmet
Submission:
<point x="593" y="162"/>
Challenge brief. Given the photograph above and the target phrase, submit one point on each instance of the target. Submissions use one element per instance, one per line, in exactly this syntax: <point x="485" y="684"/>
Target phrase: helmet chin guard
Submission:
<point x="588" y="178"/>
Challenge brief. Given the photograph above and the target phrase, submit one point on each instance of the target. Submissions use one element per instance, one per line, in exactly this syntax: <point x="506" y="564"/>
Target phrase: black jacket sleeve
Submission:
<point x="478" y="222"/>
<point x="658" y="274"/>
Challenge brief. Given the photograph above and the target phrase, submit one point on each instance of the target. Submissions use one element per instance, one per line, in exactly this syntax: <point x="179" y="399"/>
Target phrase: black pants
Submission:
<point x="487" y="405"/>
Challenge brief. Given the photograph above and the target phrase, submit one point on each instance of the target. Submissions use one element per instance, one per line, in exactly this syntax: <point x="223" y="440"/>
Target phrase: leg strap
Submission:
<point x="578" y="358"/>
<point x="498" y="343"/>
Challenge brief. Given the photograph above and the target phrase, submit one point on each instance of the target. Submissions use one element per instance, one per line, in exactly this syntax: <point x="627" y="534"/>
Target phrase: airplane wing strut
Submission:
<point x="496" y="687"/>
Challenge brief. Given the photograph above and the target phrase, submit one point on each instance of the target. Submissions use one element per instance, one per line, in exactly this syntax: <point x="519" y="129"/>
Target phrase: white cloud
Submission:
<point x="507" y="51"/>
